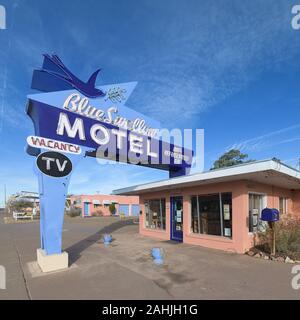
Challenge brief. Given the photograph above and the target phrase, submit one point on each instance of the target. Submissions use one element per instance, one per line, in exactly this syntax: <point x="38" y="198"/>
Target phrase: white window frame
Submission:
<point x="285" y="203"/>
<point x="221" y="214"/>
<point x="264" y="204"/>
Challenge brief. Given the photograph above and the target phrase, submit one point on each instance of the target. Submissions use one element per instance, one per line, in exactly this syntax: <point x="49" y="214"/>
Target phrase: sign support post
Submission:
<point x="52" y="193"/>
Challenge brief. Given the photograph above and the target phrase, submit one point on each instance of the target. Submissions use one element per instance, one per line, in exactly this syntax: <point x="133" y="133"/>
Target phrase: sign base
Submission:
<point x="52" y="262"/>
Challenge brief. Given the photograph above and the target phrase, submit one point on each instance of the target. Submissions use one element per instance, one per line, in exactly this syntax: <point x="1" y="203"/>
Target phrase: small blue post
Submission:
<point x="157" y="254"/>
<point x="107" y="238"/>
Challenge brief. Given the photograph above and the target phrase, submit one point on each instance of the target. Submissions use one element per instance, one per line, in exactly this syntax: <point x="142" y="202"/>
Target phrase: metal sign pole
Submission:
<point x="271" y="216"/>
<point x="272" y="240"/>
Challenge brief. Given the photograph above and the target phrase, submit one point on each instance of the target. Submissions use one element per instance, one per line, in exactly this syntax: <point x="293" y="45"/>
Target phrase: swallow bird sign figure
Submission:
<point x="74" y="119"/>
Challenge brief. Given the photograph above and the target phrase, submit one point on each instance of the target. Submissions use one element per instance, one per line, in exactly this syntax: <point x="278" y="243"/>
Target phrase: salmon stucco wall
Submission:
<point x="295" y="205"/>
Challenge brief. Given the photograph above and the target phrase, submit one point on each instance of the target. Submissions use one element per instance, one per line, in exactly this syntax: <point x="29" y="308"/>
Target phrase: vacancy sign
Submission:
<point x="50" y="144"/>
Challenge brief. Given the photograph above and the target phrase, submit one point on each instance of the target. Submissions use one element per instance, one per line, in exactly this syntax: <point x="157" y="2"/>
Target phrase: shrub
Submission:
<point x="97" y="213"/>
<point x="112" y="208"/>
<point x="287" y="238"/>
<point x="74" y="212"/>
<point x="21" y="205"/>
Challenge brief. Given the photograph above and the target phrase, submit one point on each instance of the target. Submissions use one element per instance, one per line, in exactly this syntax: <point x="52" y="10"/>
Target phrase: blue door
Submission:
<point x="135" y="210"/>
<point x="124" y="209"/>
<point x="177" y="218"/>
<point x="86" y="209"/>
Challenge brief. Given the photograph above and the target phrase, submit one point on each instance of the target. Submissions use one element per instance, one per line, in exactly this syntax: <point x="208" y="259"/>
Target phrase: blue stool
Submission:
<point x="157" y="254"/>
<point x="107" y="238"/>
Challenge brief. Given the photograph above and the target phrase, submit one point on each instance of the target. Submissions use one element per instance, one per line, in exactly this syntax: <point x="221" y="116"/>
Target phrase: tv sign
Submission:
<point x="54" y="164"/>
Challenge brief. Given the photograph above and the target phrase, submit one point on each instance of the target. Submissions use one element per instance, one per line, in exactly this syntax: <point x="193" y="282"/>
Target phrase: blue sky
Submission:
<point x="230" y="67"/>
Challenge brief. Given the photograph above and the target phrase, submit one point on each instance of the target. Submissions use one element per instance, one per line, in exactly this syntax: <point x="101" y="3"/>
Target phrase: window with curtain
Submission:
<point x="155" y="211"/>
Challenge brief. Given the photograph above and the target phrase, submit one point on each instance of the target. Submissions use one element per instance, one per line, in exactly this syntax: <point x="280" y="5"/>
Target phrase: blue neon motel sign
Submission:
<point x="75" y="119"/>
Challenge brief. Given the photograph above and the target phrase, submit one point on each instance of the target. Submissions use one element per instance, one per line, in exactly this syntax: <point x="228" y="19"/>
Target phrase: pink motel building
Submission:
<point x="98" y="204"/>
<point x="220" y="208"/>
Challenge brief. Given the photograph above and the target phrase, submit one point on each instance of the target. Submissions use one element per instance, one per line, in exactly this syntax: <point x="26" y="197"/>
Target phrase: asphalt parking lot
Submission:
<point x="125" y="270"/>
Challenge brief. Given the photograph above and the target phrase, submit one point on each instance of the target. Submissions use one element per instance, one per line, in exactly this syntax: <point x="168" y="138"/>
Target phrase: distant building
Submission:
<point x="26" y="196"/>
<point x="31" y="206"/>
<point x="98" y="204"/>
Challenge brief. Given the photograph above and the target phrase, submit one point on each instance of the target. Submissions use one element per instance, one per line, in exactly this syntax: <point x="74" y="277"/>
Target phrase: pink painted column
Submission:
<point x="240" y="209"/>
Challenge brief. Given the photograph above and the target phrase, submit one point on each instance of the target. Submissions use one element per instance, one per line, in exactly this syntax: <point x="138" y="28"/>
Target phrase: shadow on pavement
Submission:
<point x="76" y="249"/>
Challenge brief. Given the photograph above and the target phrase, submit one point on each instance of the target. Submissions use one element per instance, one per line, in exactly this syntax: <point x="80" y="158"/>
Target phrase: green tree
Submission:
<point x="230" y="158"/>
<point x="15" y="205"/>
<point x="112" y="208"/>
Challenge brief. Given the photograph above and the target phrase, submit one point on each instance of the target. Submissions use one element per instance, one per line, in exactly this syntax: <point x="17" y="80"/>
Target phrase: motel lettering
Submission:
<point x="102" y="135"/>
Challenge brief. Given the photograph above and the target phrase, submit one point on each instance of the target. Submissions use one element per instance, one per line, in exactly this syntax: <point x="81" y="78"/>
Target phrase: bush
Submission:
<point x="287" y="236"/>
<point x="21" y="205"/>
<point x="74" y="212"/>
<point x="112" y="208"/>
<point x="97" y="213"/>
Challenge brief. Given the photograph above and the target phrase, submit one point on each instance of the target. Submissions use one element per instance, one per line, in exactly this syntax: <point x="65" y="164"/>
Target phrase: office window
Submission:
<point x="283" y="205"/>
<point x="212" y="214"/>
<point x="155" y="211"/>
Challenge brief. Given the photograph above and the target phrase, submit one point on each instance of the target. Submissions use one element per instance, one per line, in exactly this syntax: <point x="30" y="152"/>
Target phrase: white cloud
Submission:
<point x="264" y="141"/>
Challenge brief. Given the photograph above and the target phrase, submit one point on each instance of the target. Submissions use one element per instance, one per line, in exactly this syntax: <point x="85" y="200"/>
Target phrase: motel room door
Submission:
<point x="124" y="209"/>
<point x="135" y="210"/>
<point x="177" y="218"/>
<point x="86" y="209"/>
